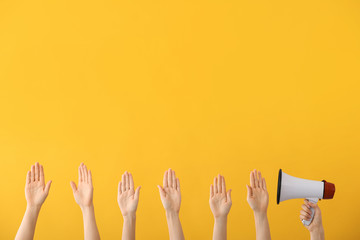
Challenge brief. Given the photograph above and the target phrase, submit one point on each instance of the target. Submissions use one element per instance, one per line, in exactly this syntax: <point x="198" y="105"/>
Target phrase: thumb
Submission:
<point x="229" y="195"/>
<point x="73" y="186"/>
<point x="137" y="192"/>
<point x="161" y="190"/>
<point x="249" y="191"/>
<point x="47" y="187"/>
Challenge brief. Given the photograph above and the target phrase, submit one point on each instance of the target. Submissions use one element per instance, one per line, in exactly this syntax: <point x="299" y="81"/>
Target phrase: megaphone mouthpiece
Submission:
<point x="329" y="190"/>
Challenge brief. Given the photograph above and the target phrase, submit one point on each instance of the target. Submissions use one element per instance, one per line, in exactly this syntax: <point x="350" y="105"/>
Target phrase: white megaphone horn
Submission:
<point x="290" y="187"/>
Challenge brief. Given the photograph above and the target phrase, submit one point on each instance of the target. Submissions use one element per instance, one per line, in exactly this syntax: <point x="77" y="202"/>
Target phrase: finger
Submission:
<point x="47" y="187"/>
<point x="127" y="186"/>
<point x="73" y="186"/>
<point x="305" y="215"/>
<point x="264" y="184"/>
<point x="42" y="176"/>
<point x="165" y="181"/>
<point x="306" y="209"/>
<point x="313" y="205"/>
<point x="28" y="177"/>
<point x="249" y="191"/>
<point x="260" y="181"/>
<point x="252" y="179"/>
<point x="306" y="203"/>
<point x="137" y="192"/>
<point x="131" y="181"/>
<point x="32" y="173"/>
<point x="219" y="183"/>
<point x="170" y="178"/>
<point x="211" y="191"/>
<point x="215" y="185"/>
<point x="228" y="195"/>
<point x="86" y="176"/>
<point x="83" y="179"/>
<point x="173" y="179"/>
<point x="80" y="175"/>
<point x="37" y="171"/>
<point x="123" y="182"/>
<point x="119" y="188"/>
<point x="223" y="186"/>
<point x="256" y="179"/>
<point x="90" y="177"/>
<point x="162" y="191"/>
<point x="178" y="184"/>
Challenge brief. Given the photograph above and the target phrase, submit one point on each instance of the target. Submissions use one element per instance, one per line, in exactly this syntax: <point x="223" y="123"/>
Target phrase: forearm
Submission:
<point x="317" y="234"/>
<point x="129" y="227"/>
<point x="220" y="228"/>
<point x="262" y="226"/>
<point x="90" y="229"/>
<point x="27" y="228"/>
<point x="174" y="225"/>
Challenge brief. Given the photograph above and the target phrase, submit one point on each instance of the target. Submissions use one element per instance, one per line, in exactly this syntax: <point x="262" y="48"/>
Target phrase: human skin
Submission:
<point x="128" y="200"/>
<point x="83" y="194"/>
<point x="258" y="199"/>
<point x="171" y="200"/>
<point x="35" y="193"/>
<point x="220" y="204"/>
<point x="315" y="228"/>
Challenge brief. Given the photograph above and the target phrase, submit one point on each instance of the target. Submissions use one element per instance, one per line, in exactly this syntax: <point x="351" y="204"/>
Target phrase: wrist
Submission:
<point x="172" y="214"/>
<point x="260" y="214"/>
<point x="260" y="218"/>
<point x="220" y="219"/>
<point x="317" y="233"/>
<point x="87" y="208"/>
<point x="33" y="208"/>
<point x="130" y="217"/>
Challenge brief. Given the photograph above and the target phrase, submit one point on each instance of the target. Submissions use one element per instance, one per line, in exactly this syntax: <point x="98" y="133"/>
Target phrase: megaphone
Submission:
<point x="290" y="187"/>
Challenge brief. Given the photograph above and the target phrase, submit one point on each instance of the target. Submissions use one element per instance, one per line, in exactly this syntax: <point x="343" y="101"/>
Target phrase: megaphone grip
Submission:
<point x="308" y="222"/>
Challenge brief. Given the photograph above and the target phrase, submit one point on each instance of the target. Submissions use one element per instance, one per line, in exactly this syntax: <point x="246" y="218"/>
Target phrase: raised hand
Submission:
<point x="258" y="199"/>
<point x="35" y="189"/>
<point x="316" y="227"/>
<point x="128" y="198"/>
<point x="171" y="200"/>
<point x="170" y="192"/>
<point x="257" y="195"/>
<point x="220" y="199"/>
<point x="220" y="204"/>
<point x="35" y="193"/>
<point x="83" y="193"/>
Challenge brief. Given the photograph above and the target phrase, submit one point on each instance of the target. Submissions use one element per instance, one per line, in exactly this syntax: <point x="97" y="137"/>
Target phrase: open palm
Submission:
<point x="170" y="192"/>
<point x="128" y="198"/>
<point x="220" y="200"/>
<point x="35" y="189"/>
<point x="83" y="193"/>
<point x="257" y="194"/>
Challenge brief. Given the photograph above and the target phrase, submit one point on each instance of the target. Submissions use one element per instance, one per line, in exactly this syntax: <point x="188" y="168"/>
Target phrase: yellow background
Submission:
<point x="203" y="87"/>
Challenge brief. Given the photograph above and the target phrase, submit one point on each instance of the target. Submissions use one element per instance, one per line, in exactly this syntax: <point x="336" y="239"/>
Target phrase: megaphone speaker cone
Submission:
<point x="279" y="187"/>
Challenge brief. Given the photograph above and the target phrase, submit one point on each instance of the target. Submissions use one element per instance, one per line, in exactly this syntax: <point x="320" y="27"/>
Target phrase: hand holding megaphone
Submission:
<point x="316" y="226"/>
<point x="290" y="187"/>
